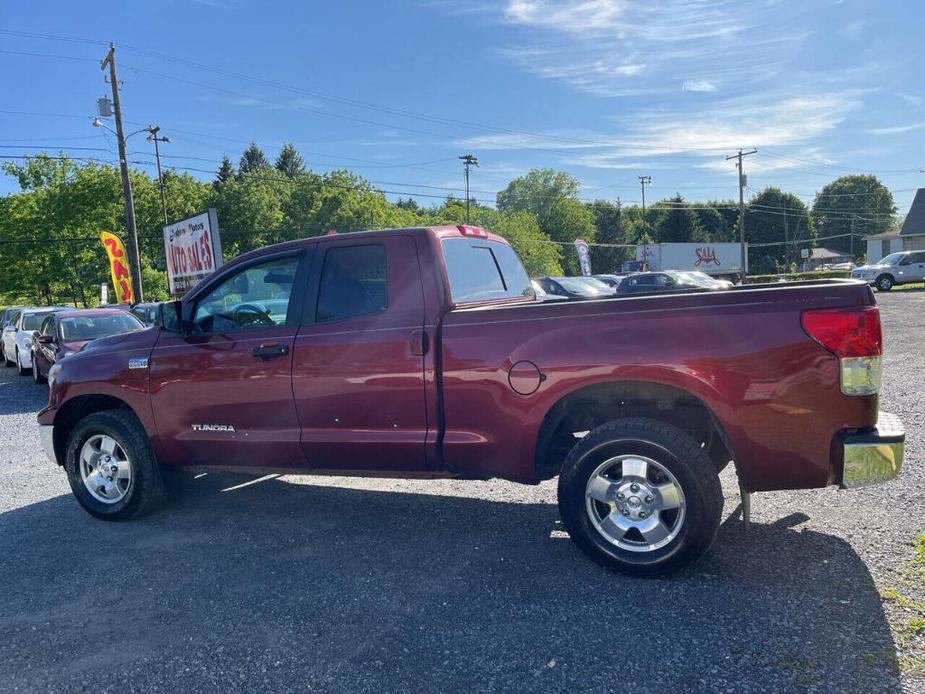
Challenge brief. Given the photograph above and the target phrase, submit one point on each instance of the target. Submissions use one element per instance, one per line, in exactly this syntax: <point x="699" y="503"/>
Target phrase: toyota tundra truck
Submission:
<point x="426" y="353"/>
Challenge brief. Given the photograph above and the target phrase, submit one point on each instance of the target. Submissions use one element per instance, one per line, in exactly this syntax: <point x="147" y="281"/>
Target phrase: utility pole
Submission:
<point x="468" y="160"/>
<point x="643" y="182"/>
<point x="738" y="157"/>
<point x="153" y="130"/>
<point x="134" y="258"/>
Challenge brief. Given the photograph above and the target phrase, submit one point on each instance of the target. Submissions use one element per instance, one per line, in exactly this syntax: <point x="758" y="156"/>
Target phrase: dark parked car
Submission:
<point x="612" y="280"/>
<point x="9" y="315"/>
<point x="66" y="332"/>
<point x="648" y="282"/>
<point x="572" y="287"/>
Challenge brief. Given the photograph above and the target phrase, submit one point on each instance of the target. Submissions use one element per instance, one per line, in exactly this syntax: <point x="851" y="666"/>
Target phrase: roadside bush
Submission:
<point x="797" y="276"/>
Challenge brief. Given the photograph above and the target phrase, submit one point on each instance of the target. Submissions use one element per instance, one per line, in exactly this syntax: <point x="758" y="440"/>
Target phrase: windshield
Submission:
<point x="578" y="286"/>
<point x="480" y="270"/>
<point x="595" y="283"/>
<point x="892" y="259"/>
<point x="699" y="278"/>
<point x="92" y="327"/>
<point x="33" y="321"/>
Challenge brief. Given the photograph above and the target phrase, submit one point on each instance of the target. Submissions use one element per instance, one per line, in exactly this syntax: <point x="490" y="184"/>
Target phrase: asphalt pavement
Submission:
<point x="244" y="584"/>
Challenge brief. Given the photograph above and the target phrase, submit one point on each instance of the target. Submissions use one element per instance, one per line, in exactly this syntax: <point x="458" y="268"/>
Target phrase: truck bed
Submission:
<point x="741" y="353"/>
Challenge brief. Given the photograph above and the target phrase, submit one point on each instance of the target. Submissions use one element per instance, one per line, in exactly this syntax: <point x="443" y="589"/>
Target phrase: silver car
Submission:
<point x="17" y="336"/>
<point x="896" y="268"/>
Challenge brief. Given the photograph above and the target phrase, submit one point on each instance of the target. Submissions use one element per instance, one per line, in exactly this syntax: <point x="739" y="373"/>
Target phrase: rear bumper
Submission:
<point x="875" y="455"/>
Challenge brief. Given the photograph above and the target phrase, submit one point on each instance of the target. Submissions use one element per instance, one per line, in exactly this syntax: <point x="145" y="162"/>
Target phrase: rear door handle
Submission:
<point x="267" y="352"/>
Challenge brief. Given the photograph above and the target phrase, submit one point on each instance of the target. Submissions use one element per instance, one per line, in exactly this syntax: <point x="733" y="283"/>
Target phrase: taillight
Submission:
<point x="854" y="336"/>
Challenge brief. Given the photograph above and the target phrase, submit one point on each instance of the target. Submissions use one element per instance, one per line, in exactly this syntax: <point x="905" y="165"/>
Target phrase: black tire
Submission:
<point x="146" y="489"/>
<point x="36" y="375"/>
<point x="19" y="367"/>
<point x="884" y="283"/>
<point x="671" y="448"/>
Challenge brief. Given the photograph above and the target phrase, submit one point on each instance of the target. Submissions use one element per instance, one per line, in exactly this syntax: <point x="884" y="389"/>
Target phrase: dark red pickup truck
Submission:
<point x="425" y="353"/>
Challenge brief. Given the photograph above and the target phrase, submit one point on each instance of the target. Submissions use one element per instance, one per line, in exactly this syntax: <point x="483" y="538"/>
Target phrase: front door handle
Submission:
<point x="267" y="352"/>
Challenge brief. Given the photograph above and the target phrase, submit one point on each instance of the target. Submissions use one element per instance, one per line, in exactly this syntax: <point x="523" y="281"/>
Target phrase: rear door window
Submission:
<point x="354" y="283"/>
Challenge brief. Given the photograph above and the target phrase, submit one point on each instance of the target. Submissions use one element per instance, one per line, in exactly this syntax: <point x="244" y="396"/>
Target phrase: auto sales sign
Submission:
<point x="193" y="248"/>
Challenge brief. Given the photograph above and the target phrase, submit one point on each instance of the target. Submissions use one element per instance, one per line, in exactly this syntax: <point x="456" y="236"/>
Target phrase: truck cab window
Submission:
<point x="353" y="283"/>
<point x="481" y="270"/>
<point x="254" y="298"/>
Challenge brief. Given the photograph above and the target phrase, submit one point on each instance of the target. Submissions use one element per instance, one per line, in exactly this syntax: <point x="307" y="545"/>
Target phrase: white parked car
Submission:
<point x="17" y="337"/>
<point x="896" y="268"/>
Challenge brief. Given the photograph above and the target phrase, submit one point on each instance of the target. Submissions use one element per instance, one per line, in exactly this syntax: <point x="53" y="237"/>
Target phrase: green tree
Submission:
<point x="774" y="216"/>
<point x="253" y="159"/>
<point x="225" y="172"/>
<point x="851" y="207"/>
<point x="679" y="224"/>
<point x="552" y="196"/>
<point x="289" y="162"/>
<point x="608" y="223"/>
<point x="718" y="221"/>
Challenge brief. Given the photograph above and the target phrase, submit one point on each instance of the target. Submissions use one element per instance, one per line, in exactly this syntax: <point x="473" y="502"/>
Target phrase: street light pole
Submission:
<point x="153" y="130"/>
<point x="133" y="255"/>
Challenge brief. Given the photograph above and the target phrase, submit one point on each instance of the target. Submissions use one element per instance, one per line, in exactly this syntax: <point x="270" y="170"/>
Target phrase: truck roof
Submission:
<point x="438" y="232"/>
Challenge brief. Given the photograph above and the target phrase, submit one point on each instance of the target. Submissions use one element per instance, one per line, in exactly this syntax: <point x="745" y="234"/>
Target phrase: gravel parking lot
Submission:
<point x="307" y="583"/>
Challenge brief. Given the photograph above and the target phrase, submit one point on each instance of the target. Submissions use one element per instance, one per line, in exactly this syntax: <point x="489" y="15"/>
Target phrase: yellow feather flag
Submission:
<point x="118" y="267"/>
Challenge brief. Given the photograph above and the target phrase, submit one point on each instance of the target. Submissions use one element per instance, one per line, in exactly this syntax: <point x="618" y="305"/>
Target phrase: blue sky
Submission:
<point x="605" y="89"/>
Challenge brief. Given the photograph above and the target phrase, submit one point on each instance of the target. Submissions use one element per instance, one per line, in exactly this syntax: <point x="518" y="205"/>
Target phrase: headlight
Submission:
<point x="53" y="374"/>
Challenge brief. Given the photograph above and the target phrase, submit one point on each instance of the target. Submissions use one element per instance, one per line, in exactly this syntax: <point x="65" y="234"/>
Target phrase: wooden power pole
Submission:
<point x="133" y="256"/>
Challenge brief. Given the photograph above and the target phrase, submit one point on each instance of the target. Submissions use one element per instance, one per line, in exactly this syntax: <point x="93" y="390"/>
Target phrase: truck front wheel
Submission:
<point x="640" y="496"/>
<point x="111" y="467"/>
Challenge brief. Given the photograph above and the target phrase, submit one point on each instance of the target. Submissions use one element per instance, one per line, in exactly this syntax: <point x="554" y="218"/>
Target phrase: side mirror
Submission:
<point x="170" y="317"/>
<point x="45" y="339"/>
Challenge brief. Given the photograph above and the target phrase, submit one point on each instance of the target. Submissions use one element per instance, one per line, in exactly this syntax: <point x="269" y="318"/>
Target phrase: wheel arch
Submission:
<point x="589" y="406"/>
<point x="74" y="410"/>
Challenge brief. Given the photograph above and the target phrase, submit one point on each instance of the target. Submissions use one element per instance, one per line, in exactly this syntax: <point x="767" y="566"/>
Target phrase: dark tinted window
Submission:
<point x="353" y="283"/>
<point x="917" y="257"/>
<point x="48" y="326"/>
<point x="479" y="270"/>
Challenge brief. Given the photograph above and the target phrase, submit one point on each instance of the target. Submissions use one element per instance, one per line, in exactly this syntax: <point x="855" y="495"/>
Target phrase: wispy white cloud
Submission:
<point x="897" y="129"/>
<point x="698" y="86"/>
<point x="623" y="48"/>
<point x="853" y="30"/>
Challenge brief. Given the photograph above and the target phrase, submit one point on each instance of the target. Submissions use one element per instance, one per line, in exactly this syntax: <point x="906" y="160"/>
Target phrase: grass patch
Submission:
<point x="906" y="608"/>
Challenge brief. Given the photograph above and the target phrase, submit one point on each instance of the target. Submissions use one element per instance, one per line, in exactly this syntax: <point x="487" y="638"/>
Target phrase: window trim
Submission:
<point x="303" y="258"/>
<point x="313" y="296"/>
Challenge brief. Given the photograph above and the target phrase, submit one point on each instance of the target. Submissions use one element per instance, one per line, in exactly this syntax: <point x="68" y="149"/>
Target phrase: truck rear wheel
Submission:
<point x="111" y="467"/>
<point x="640" y="496"/>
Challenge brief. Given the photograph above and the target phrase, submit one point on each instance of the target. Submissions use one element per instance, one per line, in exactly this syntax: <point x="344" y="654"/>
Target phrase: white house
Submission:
<point x="910" y="238"/>
<point x="881" y="245"/>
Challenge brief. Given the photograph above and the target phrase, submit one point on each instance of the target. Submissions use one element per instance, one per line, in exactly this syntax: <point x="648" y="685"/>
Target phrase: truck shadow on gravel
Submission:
<point x="283" y="586"/>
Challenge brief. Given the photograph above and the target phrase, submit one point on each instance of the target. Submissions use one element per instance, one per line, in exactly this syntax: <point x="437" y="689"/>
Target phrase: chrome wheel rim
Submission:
<point x="105" y="469"/>
<point x="635" y="503"/>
